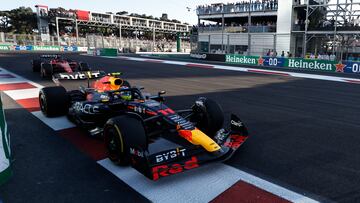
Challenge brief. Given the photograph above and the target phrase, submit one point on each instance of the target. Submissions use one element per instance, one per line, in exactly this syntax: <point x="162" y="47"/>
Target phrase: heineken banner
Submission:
<point x="4" y="48"/>
<point x="40" y="48"/>
<point x="46" y="48"/>
<point x="295" y="63"/>
<point x="311" y="64"/>
<point x="244" y="60"/>
<point x="5" y="171"/>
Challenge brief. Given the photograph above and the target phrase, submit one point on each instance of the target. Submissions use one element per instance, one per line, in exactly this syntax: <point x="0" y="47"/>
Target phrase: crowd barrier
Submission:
<point x="106" y="52"/>
<point x="5" y="171"/>
<point x="42" y="48"/>
<point x="282" y="62"/>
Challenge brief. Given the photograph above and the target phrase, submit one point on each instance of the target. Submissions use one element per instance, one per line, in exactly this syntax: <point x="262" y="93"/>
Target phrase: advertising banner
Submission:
<point x="46" y="48"/>
<point x="349" y="67"/>
<point x="244" y="60"/>
<point x="69" y="48"/>
<point x="208" y="57"/>
<point x="274" y="61"/>
<point x="4" y="48"/>
<point x="311" y="64"/>
<point x="5" y="171"/>
<point x="22" y="48"/>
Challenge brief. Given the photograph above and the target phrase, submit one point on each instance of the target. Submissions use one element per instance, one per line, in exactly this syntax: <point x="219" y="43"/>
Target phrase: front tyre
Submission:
<point x="54" y="101"/>
<point x="122" y="133"/>
<point x="208" y="116"/>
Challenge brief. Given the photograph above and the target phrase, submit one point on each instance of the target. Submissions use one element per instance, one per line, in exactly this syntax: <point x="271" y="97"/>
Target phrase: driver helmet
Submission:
<point x="125" y="95"/>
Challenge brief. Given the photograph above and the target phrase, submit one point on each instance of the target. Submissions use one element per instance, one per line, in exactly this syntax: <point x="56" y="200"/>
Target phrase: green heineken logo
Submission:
<point x="4" y="47"/>
<point x="247" y="60"/>
<point x="311" y="64"/>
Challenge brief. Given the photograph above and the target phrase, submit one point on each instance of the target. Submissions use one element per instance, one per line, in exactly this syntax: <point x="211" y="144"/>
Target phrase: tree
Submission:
<point x="4" y="21"/>
<point x="21" y="20"/>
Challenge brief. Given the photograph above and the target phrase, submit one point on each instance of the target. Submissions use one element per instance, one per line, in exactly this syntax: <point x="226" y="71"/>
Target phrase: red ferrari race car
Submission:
<point x="48" y="65"/>
<point x="141" y="131"/>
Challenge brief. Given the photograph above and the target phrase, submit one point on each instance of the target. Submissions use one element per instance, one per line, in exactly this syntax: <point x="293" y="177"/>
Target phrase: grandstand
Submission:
<point x="294" y="27"/>
<point x="110" y="30"/>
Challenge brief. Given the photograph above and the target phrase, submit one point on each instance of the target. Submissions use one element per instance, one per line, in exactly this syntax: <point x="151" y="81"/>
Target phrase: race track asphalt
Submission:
<point x="304" y="133"/>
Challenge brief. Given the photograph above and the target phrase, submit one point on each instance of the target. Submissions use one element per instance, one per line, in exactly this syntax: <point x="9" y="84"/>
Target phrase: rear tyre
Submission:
<point x="122" y="133"/>
<point x="54" y="101"/>
<point x="208" y="116"/>
<point x="36" y="65"/>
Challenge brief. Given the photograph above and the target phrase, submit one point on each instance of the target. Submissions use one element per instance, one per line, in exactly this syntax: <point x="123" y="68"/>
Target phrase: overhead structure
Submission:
<point x="328" y="26"/>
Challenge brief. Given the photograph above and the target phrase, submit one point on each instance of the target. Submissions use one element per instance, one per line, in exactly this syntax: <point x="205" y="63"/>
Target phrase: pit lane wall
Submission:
<point x="5" y="171"/>
<point x="281" y="62"/>
<point x="42" y="48"/>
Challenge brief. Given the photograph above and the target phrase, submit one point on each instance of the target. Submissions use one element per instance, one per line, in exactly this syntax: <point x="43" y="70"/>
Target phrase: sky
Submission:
<point x="176" y="9"/>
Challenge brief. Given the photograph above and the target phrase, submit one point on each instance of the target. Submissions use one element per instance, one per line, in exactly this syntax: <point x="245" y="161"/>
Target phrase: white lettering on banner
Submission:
<point x="355" y="68"/>
<point x="309" y="65"/>
<point x="198" y="56"/>
<point x="240" y="59"/>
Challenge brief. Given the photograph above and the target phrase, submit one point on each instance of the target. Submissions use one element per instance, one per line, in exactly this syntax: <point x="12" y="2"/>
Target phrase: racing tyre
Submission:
<point x="122" y="133"/>
<point x="36" y="65"/>
<point x="46" y="70"/>
<point x="84" y="67"/>
<point x="208" y="116"/>
<point x="54" y="101"/>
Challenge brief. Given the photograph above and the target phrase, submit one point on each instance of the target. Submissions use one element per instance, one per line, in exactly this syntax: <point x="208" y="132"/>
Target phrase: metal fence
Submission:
<point x="95" y="41"/>
<point x="241" y="43"/>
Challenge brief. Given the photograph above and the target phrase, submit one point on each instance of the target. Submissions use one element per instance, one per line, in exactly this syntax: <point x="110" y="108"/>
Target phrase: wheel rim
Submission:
<point x="113" y="145"/>
<point x="43" y="104"/>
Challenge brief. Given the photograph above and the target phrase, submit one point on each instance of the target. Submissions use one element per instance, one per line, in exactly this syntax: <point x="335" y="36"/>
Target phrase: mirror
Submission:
<point x="162" y="92"/>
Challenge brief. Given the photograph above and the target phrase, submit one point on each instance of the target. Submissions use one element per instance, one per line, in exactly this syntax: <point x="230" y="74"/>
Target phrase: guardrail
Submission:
<point x="5" y="170"/>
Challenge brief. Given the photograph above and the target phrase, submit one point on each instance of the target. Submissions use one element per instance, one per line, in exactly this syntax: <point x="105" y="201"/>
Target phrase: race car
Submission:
<point x="48" y="65"/>
<point x="141" y="131"/>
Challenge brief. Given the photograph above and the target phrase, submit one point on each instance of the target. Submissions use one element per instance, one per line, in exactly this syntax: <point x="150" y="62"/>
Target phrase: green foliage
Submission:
<point x="20" y="20"/>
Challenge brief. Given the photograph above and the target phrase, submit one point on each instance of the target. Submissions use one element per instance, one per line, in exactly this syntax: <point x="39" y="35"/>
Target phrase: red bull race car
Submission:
<point x="141" y="131"/>
<point x="48" y="65"/>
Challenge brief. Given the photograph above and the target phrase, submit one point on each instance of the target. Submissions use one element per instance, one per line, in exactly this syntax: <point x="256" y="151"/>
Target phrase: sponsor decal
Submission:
<point x="311" y="64"/>
<point x="78" y="75"/>
<point x="166" y="170"/>
<point x="198" y="56"/>
<point x="86" y="108"/>
<point x="235" y="141"/>
<point x="273" y="61"/>
<point x="169" y="155"/>
<point x="238" y="124"/>
<point x="136" y="152"/>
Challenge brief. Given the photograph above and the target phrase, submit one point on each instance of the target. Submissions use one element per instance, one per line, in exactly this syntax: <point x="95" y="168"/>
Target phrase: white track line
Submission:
<point x="199" y="185"/>
<point x="58" y="123"/>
